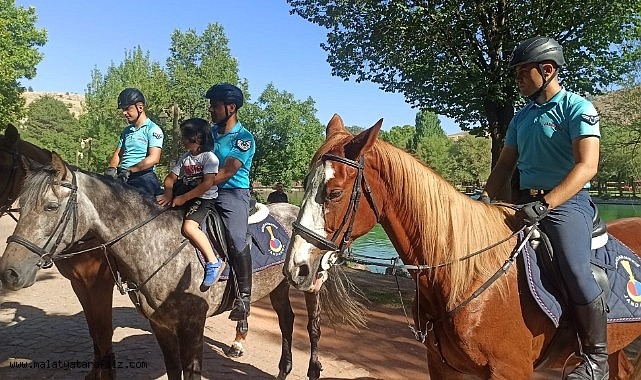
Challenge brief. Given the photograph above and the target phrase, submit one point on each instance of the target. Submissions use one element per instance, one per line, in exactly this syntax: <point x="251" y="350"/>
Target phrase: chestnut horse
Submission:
<point x="501" y="333"/>
<point x="91" y="277"/>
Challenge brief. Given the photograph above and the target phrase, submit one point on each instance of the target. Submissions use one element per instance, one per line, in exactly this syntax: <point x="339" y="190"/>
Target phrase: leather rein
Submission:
<point x="336" y="254"/>
<point x="47" y="253"/>
<point x="360" y="186"/>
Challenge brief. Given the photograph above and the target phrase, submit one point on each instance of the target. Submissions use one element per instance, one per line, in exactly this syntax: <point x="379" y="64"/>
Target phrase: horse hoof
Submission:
<point x="235" y="351"/>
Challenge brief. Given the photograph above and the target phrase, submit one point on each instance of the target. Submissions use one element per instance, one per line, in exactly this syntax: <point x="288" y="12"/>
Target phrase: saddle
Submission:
<point x="541" y="245"/>
<point x="267" y="239"/>
<point x="615" y="267"/>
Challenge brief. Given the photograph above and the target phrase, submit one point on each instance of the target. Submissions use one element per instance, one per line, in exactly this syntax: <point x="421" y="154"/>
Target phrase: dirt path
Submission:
<point x="44" y="325"/>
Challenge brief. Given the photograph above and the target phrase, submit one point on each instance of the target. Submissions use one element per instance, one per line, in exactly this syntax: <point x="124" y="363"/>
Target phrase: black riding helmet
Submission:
<point x="226" y="93"/>
<point x="538" y="50"/>
<point x="130" y="96"/>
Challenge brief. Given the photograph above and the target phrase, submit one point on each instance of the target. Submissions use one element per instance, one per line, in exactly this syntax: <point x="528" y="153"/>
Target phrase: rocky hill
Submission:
<point x="622" y="106"/>
<point x="74" y="102"/>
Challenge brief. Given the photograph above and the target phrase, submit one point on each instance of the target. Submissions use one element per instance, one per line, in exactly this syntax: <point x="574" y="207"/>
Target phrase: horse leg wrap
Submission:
<point x="242" y="263"/>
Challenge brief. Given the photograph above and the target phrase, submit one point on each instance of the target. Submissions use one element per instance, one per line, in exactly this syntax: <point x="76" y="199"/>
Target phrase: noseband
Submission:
<point x="5" y="196"/>
<point x="71" y="211"/>
<point x="360" y="186"/>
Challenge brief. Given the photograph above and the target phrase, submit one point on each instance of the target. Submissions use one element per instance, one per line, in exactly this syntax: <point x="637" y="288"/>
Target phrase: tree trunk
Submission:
<point x="498" y="117"/>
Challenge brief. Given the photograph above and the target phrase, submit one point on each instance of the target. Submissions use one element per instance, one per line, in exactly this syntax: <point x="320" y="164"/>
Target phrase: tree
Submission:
<point x="103" y="122"/>
<point x="435" y="152"/>
<point x="287" y="134"/>
<point x="470" y="161"/>
<point x="50" y="125"/>
<point x="452" y="58"/>
<point x="427" y="125"/>
<point x="195" y="63"/>
<point x="398" y="136"/>
<point x="19" y="39"/>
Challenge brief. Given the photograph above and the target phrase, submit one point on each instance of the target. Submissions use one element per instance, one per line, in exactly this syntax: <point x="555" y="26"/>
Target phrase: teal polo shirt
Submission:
<point x="237" y="143"/>
<point x="543" y="135"/>
<point x="134" y="143"/>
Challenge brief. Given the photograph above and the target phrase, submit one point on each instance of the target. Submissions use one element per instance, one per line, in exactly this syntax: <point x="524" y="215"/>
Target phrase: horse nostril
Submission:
<point x="11" y="277"/>
<point x="303" y="270"/>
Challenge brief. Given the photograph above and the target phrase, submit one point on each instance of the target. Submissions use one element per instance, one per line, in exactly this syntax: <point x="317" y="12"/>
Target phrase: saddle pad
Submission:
<point x="623" y="269"/>
<point x="271" y="239"/>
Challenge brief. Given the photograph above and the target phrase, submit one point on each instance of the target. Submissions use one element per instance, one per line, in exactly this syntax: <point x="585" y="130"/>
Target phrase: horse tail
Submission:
<point x="341" y="299"/>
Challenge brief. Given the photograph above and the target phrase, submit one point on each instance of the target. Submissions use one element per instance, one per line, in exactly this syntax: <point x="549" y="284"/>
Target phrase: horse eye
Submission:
<point x="51" y="206"/>
<point x="334" y="194"/>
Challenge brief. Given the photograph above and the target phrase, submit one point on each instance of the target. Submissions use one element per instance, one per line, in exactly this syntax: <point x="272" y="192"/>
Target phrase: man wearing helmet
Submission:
<point x="235" y="147"/>
<point x="554" y="143"/>
<point x="139" y="146"/>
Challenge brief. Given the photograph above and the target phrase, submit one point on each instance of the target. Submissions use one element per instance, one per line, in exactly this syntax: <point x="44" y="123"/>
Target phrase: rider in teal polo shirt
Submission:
<point x="139" y="146"/>
<point x="554" y="144"/>
<point x="235" y="147"/>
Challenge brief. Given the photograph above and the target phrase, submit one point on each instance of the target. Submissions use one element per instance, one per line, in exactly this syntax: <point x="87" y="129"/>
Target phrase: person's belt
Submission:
<point x="140" y="172"/>
<point x="534" y="192"/>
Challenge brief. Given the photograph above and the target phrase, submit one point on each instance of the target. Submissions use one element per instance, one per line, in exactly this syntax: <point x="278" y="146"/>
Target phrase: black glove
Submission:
<point x="534" y="211"/>
<point x="111" y="172"/>
<point x="123" y="174"/>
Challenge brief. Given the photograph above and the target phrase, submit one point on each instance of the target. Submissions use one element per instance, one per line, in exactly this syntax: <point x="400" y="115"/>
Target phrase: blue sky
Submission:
<point x="270" y="44"/>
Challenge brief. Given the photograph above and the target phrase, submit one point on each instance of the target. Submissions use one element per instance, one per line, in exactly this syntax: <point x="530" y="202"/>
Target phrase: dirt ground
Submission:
<point x="44" y="326"/>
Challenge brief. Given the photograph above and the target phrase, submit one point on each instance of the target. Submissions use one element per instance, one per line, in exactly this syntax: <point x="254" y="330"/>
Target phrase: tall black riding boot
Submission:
<point x="242" y="264"/>
<point x="592" y="327"/>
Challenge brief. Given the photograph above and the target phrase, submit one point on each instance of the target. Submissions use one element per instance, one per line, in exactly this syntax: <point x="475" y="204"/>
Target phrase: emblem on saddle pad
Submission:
<point x="633" y="288"/>
<point x="275" y="245"/>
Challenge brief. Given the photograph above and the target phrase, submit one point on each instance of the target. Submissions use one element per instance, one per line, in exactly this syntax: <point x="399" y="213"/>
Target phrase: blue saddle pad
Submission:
<point x="269" y="244"/>
<point x="623" y="268"/>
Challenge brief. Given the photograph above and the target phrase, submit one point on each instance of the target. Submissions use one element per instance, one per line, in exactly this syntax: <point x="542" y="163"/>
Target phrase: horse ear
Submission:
<point x="363" y="141"/>
<point x="59" y="166"/>
<point x="335" y="126"/>
<point x="30" y="165"/>
<point x="11" y="134"/>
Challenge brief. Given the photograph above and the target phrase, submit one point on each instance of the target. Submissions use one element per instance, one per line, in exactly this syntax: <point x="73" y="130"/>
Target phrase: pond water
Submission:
<point x="376" y="244"/>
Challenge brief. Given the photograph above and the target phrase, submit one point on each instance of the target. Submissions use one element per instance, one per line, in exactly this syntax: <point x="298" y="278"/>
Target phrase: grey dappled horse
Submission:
<point x="60" y="205"/>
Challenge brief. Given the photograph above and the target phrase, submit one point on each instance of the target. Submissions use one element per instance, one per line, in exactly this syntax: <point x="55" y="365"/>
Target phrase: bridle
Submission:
<point x="47" y="251"/>
<point x="49" y="255"/>
<point x="360" y="186"/>
<point x="5" y="196"/>
<point x="337" y="250"/>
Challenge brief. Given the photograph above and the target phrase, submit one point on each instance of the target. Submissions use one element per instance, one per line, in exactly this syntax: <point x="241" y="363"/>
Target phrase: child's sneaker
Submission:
<point x="213" y="272"/>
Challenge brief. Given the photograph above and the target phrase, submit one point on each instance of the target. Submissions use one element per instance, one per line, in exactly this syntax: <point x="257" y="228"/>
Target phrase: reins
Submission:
<point x="336" y="254"/>
<point x="48" y="256"/>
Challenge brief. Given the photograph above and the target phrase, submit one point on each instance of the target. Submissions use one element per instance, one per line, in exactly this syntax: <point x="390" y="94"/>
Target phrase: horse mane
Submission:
<point x="452" y="225"/>
<point x="37" y="182"/>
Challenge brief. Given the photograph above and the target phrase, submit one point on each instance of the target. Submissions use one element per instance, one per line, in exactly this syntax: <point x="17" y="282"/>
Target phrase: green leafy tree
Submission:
<point x="398" y="136"/>
<point x="103" y="122"/>
<point x="434" y="151"/>
<point x="452" y="58"/>
<point x="50" y="125"/>
<point x="19" y="40"/>
<point x="287" y="134"/>
<point x="427" y="125"/>
<point x="355" y="129"/>
<point x="471" y="161"/>
<point x="195" y="63"/>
